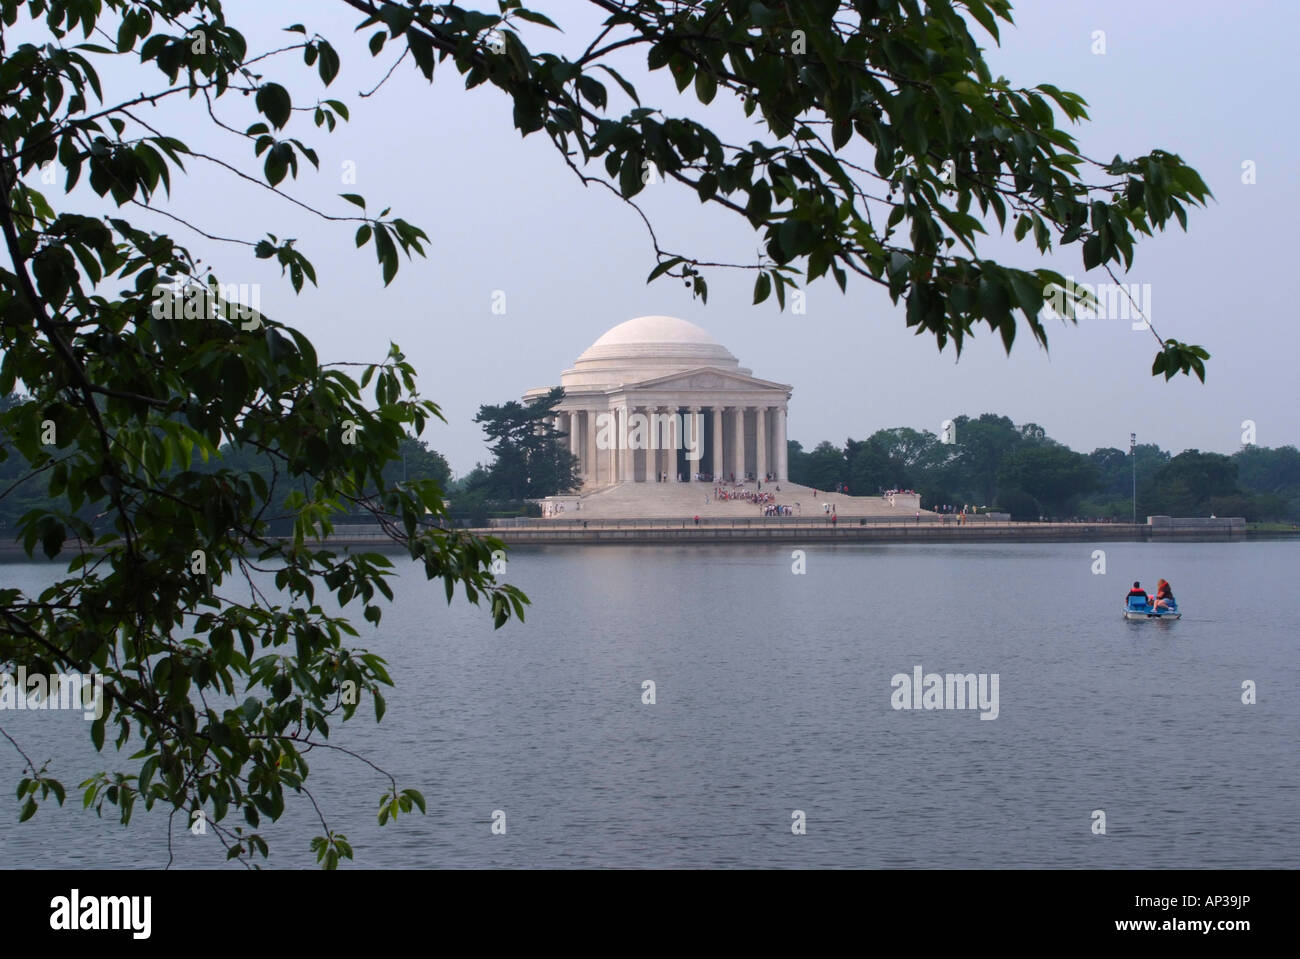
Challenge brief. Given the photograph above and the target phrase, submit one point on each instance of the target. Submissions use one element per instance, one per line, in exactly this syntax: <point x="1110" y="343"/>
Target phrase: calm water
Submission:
<point x="773" y="694"/>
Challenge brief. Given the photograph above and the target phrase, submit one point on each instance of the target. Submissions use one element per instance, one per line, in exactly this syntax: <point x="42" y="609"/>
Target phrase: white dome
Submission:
<point x="655" y="329"/>
<point x="644" y="348"/>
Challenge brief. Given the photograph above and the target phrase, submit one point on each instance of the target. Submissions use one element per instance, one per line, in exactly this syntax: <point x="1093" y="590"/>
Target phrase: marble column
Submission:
<point x="591" y="459"/>
<point x="625" y="474"/>
<point x="717" y="442"/>
<point x="611" y="460"/>
<point x="738" y="444"/>
<point x="666" y="434"/>
<point x="760" y="440"/>
<point x="782" y="446"/>
<point x="692" y="439"/>
<point x="575" y="439"/>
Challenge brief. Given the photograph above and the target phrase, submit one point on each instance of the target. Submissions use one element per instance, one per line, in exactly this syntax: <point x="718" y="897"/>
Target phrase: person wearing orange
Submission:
<point x="1164" y="595"/>
<point x="1138" y="592"/>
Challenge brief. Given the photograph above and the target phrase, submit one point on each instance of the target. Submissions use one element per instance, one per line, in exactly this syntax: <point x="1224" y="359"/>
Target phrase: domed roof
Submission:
<point x="655" y="329"/>
<point x="646" y="349"/>
<point x="653" y="345"/>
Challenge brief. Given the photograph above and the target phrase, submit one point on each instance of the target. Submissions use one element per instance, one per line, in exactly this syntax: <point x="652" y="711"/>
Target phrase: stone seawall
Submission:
<point x="677" y="532"/>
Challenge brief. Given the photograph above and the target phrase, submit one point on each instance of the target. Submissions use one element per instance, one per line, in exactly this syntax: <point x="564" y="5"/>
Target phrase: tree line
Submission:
<point x="989" y="461"/>
<point x="23" y="490"/>
<point x="983" y="462"/>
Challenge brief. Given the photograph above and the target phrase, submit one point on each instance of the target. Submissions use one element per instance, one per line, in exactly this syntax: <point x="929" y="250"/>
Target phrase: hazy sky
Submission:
<point x="1212" y="82"/>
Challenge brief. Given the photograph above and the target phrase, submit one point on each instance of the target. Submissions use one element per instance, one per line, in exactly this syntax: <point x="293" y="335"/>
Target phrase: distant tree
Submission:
<point x="1114" y="495"/>
<point x="1252" y="507"/>
<point x="1185" y="485"/>
<point x="1054" y="475"/>
<point x="1171" y="496"/>
<point x="1113" y="477"/>
<point x="898" y="458"/>
<point x="1026" y="464"/>
<point x="529" y="461"/>
<point x="1022" y="507"/>
<point x="911" y="449"/>
<point x="982" y="443"/>
<point x="1099" y="507"/>
<point x="417" y="462"/>
<point x="871" y="468"/>
<point x="1210" y="474"/>
<point x="826" y="467"/>
<point x="1264" y="470"/>
<point x="1273" y="477"/>
<point x="477" y="478"/>
<point x="796" y="462"/>
<point x="468" y="497"/>
<point x="1033" y="433"/>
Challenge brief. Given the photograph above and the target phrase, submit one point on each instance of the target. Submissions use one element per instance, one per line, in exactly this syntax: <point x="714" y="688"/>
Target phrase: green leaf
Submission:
<point x="994" y="303"/>
<point x="593" y="90"/>
<point x="630" y="180"/>
<point x="618" y="78"/>
<point x="664" y="267"/>
<point x="706" y="86"/>
<point x="386" y="251"/>
<point x="759" y="207"/>
<point x="329" y="63"/>
<point x="533" y="17"/>
<point x="275" y="104"/>
<point x="1091" y="252"/>
<point x="52" y="542"/>
<point x="762" y="288"/>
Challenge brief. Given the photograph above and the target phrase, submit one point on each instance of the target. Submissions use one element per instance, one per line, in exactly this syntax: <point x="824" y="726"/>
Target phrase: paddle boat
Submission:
<point x="1139" y="608"/>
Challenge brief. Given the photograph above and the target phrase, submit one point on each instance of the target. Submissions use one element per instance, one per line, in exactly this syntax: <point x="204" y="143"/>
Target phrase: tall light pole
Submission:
<point x="1132" y="451"/>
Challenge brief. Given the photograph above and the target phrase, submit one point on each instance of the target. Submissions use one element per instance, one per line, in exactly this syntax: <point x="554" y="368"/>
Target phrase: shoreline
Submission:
<point x="679" y="532"/>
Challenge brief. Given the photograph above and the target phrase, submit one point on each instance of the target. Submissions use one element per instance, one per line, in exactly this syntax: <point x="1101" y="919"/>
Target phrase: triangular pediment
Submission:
<point x="706" y="379"/>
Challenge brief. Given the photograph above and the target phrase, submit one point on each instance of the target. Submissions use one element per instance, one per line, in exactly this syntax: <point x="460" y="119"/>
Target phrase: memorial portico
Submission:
<point x="657" y="395"/>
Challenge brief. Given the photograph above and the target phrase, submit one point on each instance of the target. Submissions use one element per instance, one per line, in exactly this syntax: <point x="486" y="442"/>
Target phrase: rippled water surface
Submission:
<point x="774" y="694"/>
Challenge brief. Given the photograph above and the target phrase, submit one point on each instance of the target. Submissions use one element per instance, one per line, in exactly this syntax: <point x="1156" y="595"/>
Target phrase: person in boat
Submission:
<point x="1164" y="595"/>
<point x="1138" y="592"/>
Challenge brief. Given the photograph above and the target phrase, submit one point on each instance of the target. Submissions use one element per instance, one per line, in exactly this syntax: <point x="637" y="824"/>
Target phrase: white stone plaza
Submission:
<point x="659" y="414"/>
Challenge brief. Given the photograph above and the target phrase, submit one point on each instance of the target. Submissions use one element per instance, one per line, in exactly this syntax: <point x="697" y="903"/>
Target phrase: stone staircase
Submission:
<point x="683" y="500"/>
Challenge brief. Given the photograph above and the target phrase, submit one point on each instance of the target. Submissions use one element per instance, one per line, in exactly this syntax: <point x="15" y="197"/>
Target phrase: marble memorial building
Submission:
<point x="658" y="396"/>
